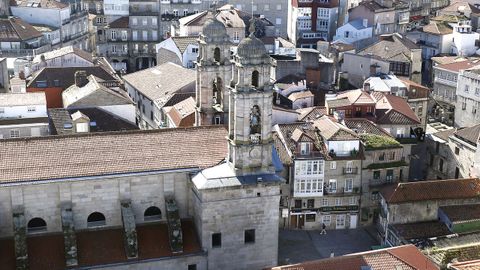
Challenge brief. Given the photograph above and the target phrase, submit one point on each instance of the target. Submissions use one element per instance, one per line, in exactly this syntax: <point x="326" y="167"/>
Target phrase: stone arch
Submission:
<point x="96" y="219"/>
<point x="255" y="78"/>
<point x="152" y="213"/>
<point x="36" y="224"/>
<point x="216" y="54"/>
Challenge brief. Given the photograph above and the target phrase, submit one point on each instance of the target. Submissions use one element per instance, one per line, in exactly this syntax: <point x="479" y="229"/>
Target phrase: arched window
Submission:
<point x="216" y="54"/>
<point x="255" y="78"/>
<point x="96" y="219"/>
<point x="36" y="225"/>
<point x="152" y="213"/>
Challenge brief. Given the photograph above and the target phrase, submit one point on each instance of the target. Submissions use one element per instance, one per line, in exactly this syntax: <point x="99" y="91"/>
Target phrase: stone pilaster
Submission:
<point x="69" y="237"/>
<point x="20" y="238"/>
<point x="129" y="229"/>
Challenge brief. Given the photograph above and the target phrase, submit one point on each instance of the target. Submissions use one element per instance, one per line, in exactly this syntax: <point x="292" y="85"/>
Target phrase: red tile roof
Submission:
<point x="396" y="112"/>
<point x="406" y="257"/>
<point x="457" y="66"/>
<point x="432" y="190"/>
<point x="110" y="153"/>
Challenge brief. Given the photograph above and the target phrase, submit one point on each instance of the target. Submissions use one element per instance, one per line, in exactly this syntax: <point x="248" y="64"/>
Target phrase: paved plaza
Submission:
<point x="298" y="246"/>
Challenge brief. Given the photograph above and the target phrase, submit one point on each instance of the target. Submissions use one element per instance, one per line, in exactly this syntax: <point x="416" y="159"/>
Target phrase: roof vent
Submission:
<point x="67" y="126"/>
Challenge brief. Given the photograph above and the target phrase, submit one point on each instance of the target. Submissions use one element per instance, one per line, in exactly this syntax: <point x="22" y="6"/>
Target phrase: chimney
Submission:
<point x="366" y="87"/>
<point x="81" y="78"/>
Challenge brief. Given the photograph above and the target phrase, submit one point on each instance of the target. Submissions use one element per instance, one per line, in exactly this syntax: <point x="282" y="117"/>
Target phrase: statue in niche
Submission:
<point x="217" y="95"/>
<point x="255" y="120"/>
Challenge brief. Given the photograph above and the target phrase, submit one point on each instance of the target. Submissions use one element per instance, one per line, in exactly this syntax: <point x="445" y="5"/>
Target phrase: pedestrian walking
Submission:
<point x="323" y="229"/>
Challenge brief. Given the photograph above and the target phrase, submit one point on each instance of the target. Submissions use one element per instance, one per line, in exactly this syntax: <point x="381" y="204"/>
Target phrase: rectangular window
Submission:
<point x="2" y="110"/>
<point x="278" y="21"/>
<point x="310" y="203"/>
<point x="305" y="148"/>
<point x="333" y="185"/>
<point x="338" y="201"/>
<point x="389" y="177"/>
<point x="381" y="157"/>
<point x="310" y="217"/>
<point x="14" y="133"/>
<point x="216" y="240"/>
<point x="352" y="201"/>
<point x="333" y="165"/>
<point x="466" y="89"/>
<point x="192" y="267"/>
<point x="327" y="220"/>
<point x="325" y="202"/>
<point x="298" y="203"/>
<point x="457" y="150"/>
<point x="376" y="175"/>
<point x="348" y="185"/>
<point x="341" y="221"/>
<point x="391" y="155"/>
<point x="249" y="236"/>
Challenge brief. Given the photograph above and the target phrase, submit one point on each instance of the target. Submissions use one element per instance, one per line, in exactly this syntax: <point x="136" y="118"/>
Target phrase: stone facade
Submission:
<point x="467" y="109"/>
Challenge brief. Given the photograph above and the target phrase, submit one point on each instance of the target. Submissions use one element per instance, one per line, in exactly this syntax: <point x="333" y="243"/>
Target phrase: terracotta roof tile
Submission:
<point x="464" y="212"/>
<point x="459" y="65"/>
<point x="14" y="29"/>
<point x="121" y="22"/>
<point x="408" y="257"/>
<point x="432" y="190"/>
<point x="110" y="153"/>
<point x="421" y="230"/>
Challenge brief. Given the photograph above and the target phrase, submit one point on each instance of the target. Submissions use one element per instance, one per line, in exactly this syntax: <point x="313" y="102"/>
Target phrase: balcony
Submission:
<point x="340" y="191"/>
<point x="350" y="170"/>
<point x="446" y="82"/>
<point x="136" y="12"/>
<point x="381" y="182"/>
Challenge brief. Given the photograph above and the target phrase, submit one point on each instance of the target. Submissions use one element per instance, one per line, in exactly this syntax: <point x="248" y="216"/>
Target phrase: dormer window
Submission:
<point x="305" y="148"/>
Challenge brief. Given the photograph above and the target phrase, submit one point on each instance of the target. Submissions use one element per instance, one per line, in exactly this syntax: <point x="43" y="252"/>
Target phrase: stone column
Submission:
<point x="129" y="229"/>
<point x="20" y="238"/>
<point x="69" y="237"/>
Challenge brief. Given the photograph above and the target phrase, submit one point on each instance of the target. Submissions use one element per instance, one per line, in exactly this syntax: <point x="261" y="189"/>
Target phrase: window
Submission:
<point x="255" y="78"/>
<point x="327" y="220"/>
<point x="477" y="91"/>
<point x="352" y="201"/>
<point x="36" y="225"/>
<point x="194" y="50"/>
<point x="152" y="213"/>
<point x="304" y="148"/>
<point x="82" y="127"/>
<point x="216" y="54"/>
<point x="338" y="201"/>
<point x="2" y="110"/>
<point x="341" y="221"/>
<point x="348" y="185"/>
<point x="134" y="21"/>
<point x="216" y="240"/>
<point x="389" y="176"/>
<point x="279" y="6"/>
<point x="236" y="37"/>
<point x="249" y="236"/>
<point x="381" y="157"/>
<point x="266" y="7"/>
<point x="217" y="120"/>
<point x="41" y="84"/>
<point x="144" y="21"/>
<point x="376" y="175"/>
<point x="333" y="165"/>
<point x="333" y="185"/>
<point x="96" y="219"/>
<point x="391" y="155"/>
<point x="14" y="133"/>
<point x="375" y="196"/>
<point x="325" y="202"/>
<point x="192" y="267"/>
<point x="457" y="150"/>
<point x="310" y="217"/>
<point x="31" y="109"/>
<point x="466" y="89"/>
<point x="298" y="203"/>
<point x="440" y="165"/>
<point x="310" y="203"/>
<point x="278" y="21"/>
<point x="114" y="35"/>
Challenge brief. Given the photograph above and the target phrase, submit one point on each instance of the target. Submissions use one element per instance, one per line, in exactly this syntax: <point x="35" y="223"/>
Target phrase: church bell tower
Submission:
<point x="214" y="71"/>
<point x="250" y="118"/>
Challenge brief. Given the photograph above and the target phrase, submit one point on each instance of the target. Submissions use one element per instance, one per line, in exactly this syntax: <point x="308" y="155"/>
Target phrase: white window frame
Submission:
<point x="333" y="165"/>
<point x="327" y="219"/>
<point x="14" y="133"/>
<point x="349" y="185"/>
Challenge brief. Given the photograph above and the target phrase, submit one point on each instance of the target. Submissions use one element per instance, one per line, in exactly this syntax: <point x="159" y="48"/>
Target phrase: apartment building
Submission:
<point x="467" y="104"/>
<point x="312" y="20"/>
<point x="71" y="20"/>
<point x="19" y="38"/>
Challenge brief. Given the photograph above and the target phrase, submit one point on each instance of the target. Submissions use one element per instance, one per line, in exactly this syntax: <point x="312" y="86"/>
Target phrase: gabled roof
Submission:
<point x="432" y="190"/>
<point x="300" y="95"/>
<point x="311" y="113"/>
<point x="365" y="126"/>
<point x="330" y="130"/>
<point x="64" y="77"/>
<point x="395" y="110"/>
<point x="14" y="30"/>
<point x="421" y="230"/>
<point x="437" y="28"/>
<point x="404" y="257"/>
<point x="456" y="66"/>
<point x="464" y="212"/>
<point x="392" y="47"/>
<point x="357" y="96"/>
<point x="99" y="154"/>
<point x="470" y="134"/>
<point x="183" y="113"/>
<point x="292" y="134"/>
<point x="92" y="94"/>
<point x="183" y="42"/>
<point x="159" y="83"/>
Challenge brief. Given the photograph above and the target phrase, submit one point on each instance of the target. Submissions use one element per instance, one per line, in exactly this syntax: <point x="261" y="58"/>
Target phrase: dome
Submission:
<point x="213" y="28"/>
<point x="251" y="47"/>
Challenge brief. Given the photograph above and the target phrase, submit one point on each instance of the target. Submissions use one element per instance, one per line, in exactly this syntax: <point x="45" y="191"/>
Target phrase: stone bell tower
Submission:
<point x="250" y="123"/>
<point x="214" y="71"/>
